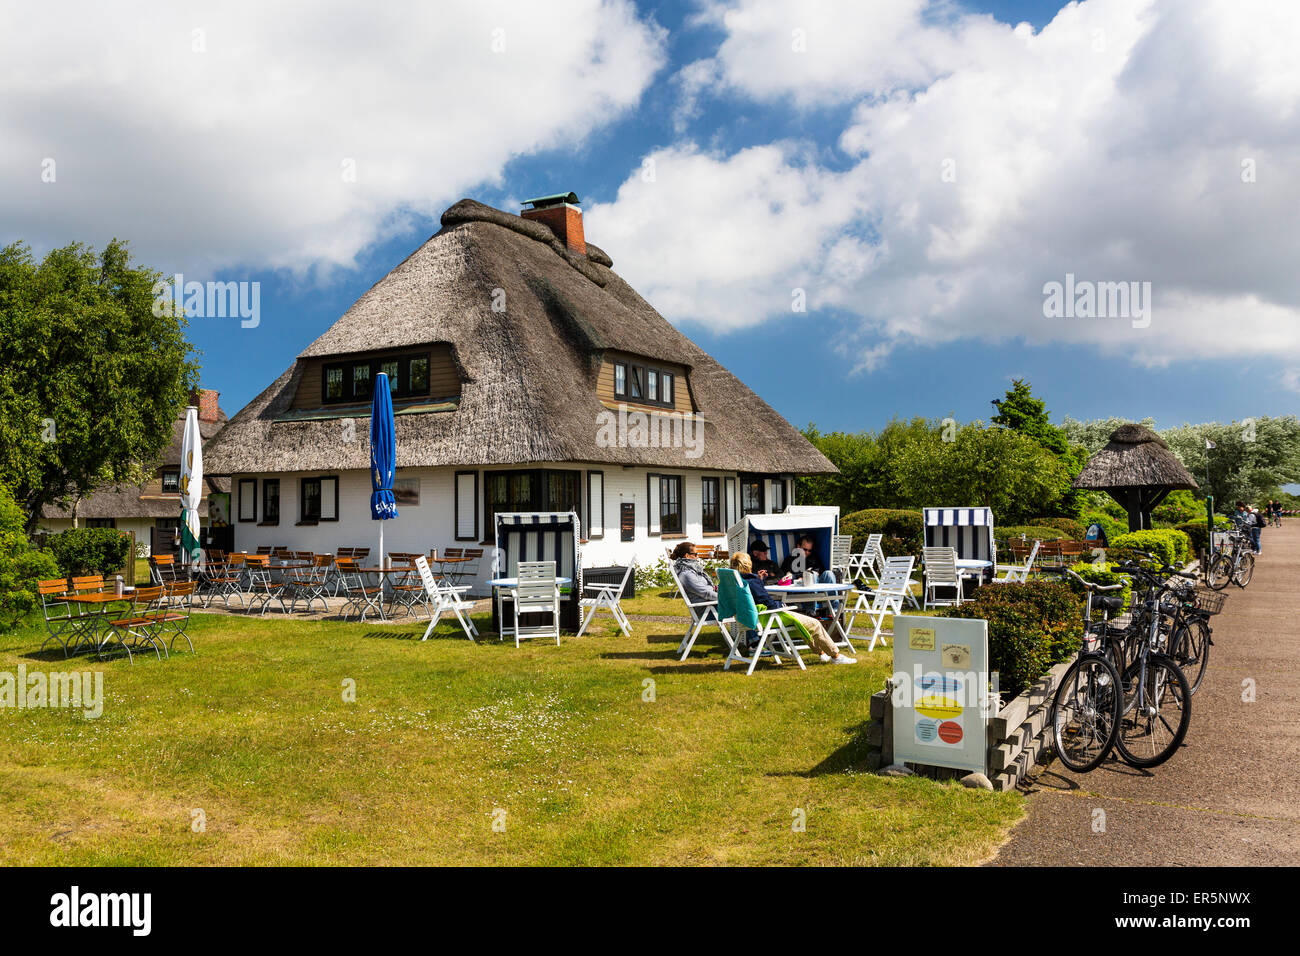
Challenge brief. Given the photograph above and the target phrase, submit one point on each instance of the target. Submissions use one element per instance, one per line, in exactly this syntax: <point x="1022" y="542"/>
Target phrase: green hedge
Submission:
<point x="1032" y="627"/>
<point x="1168" y="544"/>
<point x="1071" y="528"/>
<point x="1200" y="538"/>
<point x="1103" y="574"/>
<point x="21" y="565"/>
<point x="90" y="551"/>
<point x="1032" y="532"/>
<point x="902" y="529"/>
<point x="1111" y="525"/>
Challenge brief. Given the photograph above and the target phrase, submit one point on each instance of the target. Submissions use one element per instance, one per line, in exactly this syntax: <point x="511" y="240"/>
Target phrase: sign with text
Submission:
<point x="941" y="691"/>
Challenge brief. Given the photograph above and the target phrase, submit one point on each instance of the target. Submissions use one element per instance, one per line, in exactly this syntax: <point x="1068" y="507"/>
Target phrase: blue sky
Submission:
<point x="929" y="306"/>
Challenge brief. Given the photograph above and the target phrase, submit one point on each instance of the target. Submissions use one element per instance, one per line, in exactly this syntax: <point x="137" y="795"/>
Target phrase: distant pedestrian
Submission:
<point x="1256" y="527"/>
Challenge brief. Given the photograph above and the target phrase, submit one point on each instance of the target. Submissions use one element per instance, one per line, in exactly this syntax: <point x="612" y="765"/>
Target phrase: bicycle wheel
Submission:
<point x="1154" y="729"/>
<point x="1085" y="713"/>
<point x="1244" y="571"/>
<point x="1192" y="650"/>
<point x="1218" y="573"/>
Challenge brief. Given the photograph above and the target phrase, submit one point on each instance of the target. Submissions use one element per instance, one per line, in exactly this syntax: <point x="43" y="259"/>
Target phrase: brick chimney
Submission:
<point x="205" y="400"/>
<point x="560" y="213"/>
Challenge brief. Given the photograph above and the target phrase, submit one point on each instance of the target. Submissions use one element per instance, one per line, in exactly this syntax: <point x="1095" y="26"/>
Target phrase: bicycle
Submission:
<point x="1236" y="564"/>
<point x="1157" y="707"/>
<point x="1088" y="703"/>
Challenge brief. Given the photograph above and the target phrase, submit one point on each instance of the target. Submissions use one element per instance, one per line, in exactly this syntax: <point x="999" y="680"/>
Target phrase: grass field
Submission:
<point x="460" y="753"/>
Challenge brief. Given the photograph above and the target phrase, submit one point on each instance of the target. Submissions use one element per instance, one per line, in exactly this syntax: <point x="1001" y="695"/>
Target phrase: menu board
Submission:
<point x="941" y="691"/>
<point x="627" y="521"/>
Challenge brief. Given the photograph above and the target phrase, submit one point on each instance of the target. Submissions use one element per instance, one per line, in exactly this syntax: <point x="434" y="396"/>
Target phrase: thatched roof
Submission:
<point x="126" y="501"/>
<point x="1135" y="457"/>
<point x="528" y="373"/>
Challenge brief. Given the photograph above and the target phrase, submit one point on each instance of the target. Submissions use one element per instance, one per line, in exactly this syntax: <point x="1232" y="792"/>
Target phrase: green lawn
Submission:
<point x="446" y="736"/>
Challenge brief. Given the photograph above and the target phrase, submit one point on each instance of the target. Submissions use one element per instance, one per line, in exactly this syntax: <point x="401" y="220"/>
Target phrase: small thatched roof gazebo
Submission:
<point x="1138" y="470"/>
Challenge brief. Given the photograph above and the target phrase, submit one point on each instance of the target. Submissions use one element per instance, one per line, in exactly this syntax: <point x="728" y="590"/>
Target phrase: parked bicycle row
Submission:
<point x="1130" y="689"/>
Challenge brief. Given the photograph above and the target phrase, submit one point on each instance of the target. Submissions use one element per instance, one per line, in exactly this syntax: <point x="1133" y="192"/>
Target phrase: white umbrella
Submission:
<point x="191" y="486"/>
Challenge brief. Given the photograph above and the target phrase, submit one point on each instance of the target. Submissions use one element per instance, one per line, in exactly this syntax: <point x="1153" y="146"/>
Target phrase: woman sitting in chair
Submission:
<point x="817" y="635"/>
<point x="690" y="571"/>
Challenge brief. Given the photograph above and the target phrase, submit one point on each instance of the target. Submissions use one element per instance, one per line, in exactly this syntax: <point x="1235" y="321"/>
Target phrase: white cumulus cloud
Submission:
<point x="1148" y="141"/>
<point x="218" y="134"/>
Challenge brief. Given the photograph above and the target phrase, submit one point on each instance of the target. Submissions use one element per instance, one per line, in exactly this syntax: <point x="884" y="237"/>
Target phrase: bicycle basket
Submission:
<point x="1210" y="602"/>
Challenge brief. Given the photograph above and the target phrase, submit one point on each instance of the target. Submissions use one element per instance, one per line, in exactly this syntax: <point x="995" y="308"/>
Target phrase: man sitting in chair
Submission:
<point x="763" y="566"/>
<point x="817" y="636"/>
<point x="804" y="558"/>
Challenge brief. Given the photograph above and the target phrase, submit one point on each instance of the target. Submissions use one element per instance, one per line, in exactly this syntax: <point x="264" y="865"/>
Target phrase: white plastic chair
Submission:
<point x="537" y="592"/>
<point x="442" y="598"/>
<point x="941" y="572"/>
<point x="1016" y="573"/>
<point x="606" y="596"/>
<point x="703" y="614"/>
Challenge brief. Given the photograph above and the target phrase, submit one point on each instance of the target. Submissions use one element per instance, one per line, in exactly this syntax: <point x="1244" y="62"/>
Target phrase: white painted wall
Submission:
<point x="430" y="524"/>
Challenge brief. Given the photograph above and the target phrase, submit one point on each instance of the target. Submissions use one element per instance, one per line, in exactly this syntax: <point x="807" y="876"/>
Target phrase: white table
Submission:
<point x="827" y="594"/>
<point x="509" y="584"/>
<point x="972" y="568"/>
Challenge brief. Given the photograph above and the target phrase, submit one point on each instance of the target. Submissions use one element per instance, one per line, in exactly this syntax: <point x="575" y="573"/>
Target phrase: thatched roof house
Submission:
<point x="154" y="503"/>
<point x="1138" y="470"/>
<point x="511" y="343"/>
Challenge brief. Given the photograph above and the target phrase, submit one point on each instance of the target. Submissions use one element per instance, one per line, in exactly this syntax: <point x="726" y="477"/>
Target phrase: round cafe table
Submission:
<point x="828" y="594"/>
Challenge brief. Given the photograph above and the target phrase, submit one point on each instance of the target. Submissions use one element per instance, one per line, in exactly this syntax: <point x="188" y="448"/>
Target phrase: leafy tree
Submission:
<point x="867" y="462"/>
<point x="1093" y="435"/>
<point x="984" y="465"/>
<point x="1020" y="411"/>
<point x="90" y="379"/>
<point x="1249" y="458"/>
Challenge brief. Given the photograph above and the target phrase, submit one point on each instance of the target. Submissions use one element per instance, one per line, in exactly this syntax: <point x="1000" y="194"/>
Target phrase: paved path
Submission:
<point x="1231" y="795"/>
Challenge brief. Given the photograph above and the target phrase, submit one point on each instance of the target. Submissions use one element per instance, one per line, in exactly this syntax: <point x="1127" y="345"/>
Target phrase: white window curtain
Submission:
<point x="466" y="505"/>
<point x="329" y="496"/>
<point x="653" y="506"/>
<point x="595" y="504"/>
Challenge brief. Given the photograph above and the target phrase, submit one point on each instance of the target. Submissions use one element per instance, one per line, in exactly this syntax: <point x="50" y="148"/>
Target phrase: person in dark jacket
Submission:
<point x="764" y="566"/>
<point x="818" y="637"/>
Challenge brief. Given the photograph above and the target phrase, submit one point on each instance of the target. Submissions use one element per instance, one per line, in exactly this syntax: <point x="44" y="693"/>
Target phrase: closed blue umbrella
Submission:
<point x="383" y="458"/>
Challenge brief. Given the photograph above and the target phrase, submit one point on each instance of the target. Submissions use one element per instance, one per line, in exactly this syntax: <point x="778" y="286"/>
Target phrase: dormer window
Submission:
<point x="643" y="384"/>
<point x="352" y="381"/>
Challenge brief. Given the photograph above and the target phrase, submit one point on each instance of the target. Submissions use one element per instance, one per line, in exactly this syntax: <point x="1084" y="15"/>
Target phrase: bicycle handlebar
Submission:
<point x="1089" y="585"/>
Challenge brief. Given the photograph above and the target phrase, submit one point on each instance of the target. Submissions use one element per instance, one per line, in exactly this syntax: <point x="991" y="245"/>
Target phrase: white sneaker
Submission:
<point x="825" y="658"/>
<point x="844" y="659"/>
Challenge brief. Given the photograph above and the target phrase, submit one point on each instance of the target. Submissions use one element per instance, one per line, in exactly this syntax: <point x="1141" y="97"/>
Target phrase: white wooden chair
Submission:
<point x="441" y="598"/>
<point x="774" y="639"/>
<point x="703" y="614"/>
<point x="869" y="563"/>
<point x="841" y="555"/>
<point x="1016" y="573"/>
<point x="887" y="599"/>
<point x="941" y="573"/>
<point x="905" y="563"/>
<point x="606" y="596"/>
<point x="536" y="592"/>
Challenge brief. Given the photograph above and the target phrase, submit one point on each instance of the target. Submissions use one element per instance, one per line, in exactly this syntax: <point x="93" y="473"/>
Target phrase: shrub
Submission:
<point x="902" y="530"/>
<point x="1072" y="529"/>
<point x="1178" y="507"/>
<point x="21" y="565"/>
<point x="1198" y="535"/>
<point x="90" y="551"/>
<point x="1032" y="627"/>
<point x="1112" y="526"/>
<point x="1103" y="574"/>
<point x="1030" y="531"/>
<point x="1168" y="544"/>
